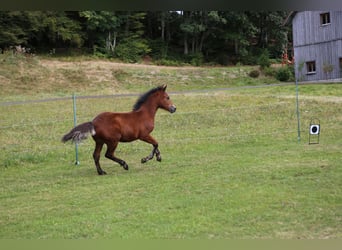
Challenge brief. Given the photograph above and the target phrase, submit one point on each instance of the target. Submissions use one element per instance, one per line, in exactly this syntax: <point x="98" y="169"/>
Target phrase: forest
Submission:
<point x="195" y="37"/>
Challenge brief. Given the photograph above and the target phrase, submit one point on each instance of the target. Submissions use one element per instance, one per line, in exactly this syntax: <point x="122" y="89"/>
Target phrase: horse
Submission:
<point x="111" y="128"/>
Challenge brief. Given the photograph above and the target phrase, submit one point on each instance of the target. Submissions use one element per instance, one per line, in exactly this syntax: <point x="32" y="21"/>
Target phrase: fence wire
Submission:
<point x="34" y="130"/>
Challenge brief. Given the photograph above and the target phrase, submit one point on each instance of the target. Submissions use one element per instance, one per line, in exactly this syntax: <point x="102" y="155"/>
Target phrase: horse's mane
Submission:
<point x="142" y="99"/>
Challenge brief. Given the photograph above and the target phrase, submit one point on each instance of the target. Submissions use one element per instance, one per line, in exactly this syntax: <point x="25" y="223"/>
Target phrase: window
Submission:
<point x="311" y="67"/>
<point x="325" y="18"/>
<point x="341" y="67"/>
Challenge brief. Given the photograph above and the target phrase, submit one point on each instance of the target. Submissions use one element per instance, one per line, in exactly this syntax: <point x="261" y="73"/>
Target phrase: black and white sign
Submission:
<point x="314" y="129"/>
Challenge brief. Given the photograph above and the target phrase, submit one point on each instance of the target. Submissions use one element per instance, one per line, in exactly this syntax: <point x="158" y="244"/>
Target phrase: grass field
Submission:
<point x="232" y="167"/>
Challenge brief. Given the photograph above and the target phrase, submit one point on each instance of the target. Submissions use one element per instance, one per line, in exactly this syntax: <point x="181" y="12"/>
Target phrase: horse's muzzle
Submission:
<point x="172" y="109"/>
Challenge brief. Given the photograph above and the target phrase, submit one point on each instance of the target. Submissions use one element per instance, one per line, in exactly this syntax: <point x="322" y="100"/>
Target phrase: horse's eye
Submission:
<point x="168" y="97"/>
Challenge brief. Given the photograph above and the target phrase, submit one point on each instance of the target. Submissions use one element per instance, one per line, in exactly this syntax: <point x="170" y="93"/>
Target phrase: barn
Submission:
<point x="317" y="45"/>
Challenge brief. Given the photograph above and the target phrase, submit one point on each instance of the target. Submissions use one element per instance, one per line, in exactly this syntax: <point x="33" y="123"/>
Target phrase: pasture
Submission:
<point x="232" y="168"/>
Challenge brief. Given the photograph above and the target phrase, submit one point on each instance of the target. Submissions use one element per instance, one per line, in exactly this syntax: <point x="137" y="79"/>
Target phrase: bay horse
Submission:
<point x="111" y="128"/>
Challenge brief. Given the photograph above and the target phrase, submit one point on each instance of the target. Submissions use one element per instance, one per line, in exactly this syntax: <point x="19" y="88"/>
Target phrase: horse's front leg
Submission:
<point x="155" y="151"/>
<point x="158" y="156"/>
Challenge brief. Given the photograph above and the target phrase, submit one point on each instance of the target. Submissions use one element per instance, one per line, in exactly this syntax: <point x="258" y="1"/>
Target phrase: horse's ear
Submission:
<point x="164" y="87"/>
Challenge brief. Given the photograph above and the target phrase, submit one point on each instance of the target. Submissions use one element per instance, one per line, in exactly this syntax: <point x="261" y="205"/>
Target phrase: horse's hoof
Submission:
<point x="143" y="160"/>
<point x="159" y="159"/>
<point x="102" y="173"/>
<point x="125" y="167"/>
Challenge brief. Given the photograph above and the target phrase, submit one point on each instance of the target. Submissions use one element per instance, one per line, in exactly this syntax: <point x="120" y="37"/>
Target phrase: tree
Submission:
<point x="174" y="35"/>
<point x="133" y="45"/>
<point x="60" y="30"/>
<point x="162" y="32"/>
<point x="102" y="28"/>
<point x="239" y="30"/>
<point x="18" y="27"/>
<point x="271" y="33"/>
<point x="192" y="26"/>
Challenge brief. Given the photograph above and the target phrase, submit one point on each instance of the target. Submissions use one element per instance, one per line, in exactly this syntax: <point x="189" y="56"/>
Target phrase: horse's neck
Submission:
<point x="149" y="109"/>
<point x="150" y="112"/>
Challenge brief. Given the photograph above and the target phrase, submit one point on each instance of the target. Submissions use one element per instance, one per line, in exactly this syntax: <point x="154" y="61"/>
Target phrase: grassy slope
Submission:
<point x="231" y="168"/>
<point x="34" y="78"/>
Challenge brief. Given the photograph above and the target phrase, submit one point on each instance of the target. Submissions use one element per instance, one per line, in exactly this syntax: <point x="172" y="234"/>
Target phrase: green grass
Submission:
<point x="232" y="169"/>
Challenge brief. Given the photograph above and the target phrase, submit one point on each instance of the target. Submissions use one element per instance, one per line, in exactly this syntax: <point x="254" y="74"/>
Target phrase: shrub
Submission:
<point x="264" y="59"/>
<point x="254" y="73"/>
<point x="159" y="49"/>
<point x="196" y="59"/>
<point x="223" y="59"/>
<point x="168" y="62"/>
<point x="283" y="74"/>
<point x="269" y="71"/>
<point x="249" y="59"/>
<point x="132" y="49"/>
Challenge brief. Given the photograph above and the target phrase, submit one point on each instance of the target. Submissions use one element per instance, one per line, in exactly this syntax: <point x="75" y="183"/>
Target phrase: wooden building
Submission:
<point x="317" y="45"/>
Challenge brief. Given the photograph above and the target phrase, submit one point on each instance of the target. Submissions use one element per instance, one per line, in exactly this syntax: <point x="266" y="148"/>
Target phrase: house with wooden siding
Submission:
<point x="317" y="45"/>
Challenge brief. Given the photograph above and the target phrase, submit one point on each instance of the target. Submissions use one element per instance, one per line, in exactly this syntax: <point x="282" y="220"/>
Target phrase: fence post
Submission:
<point x="75" y="123"/>
<point x="297" y="107"/>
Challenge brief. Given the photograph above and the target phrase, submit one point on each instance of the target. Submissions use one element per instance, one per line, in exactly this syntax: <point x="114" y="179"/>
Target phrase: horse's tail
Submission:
<point x="79" y="133"/>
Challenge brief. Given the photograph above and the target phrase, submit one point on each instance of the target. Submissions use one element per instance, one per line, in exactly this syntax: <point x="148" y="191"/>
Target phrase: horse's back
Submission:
<point x="108" y="118"/>
<point x="116" y="126"/>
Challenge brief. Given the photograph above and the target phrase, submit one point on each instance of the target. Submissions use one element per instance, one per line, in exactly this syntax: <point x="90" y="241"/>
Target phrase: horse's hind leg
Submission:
<point x="110" y="154"/>
<point x="96" y="156"/>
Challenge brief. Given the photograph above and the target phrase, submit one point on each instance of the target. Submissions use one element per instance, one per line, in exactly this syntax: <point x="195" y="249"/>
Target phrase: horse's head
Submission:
<point x="165" y="101"/>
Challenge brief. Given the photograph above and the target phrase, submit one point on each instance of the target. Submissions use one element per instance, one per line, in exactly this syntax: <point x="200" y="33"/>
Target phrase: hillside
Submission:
<point x="35" y="77"/>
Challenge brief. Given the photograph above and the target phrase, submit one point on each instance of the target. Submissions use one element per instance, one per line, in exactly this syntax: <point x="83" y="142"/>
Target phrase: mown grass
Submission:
<point x="232" y="169"/>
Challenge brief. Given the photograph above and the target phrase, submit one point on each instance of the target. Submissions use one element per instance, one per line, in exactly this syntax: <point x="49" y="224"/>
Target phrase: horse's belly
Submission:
<point x="128" y="138"/>
<point x="128" y="134"/>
